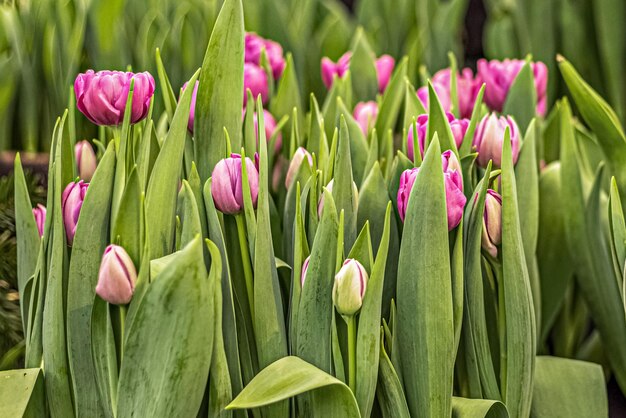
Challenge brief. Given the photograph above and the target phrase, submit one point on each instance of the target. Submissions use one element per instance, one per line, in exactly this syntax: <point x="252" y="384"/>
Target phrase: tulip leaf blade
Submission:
<point x="466" y="145"/>
<point x="344" y="193"/>
<point x="358" y="142"/>
<point x="438" y="123"/>
<point x="478" y="408"/>
<point x="424" y="294"/>
<point x="288" y="94"/>
<point x="413" y="107"/>
<point x="189" y="216"/>
<point x="521" y="100"/>
<point x="363" y="68"/>
<point x="392" y="99"/>
<point x="389" y="391"/>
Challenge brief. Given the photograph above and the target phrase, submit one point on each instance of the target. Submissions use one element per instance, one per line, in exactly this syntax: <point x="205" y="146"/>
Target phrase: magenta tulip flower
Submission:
<point x="298" y="158"/>
<point x="255" y="79"/>
<point x="192" y="110"/>
<point x="39" y="213"/>
<point x="254" y="44"/>
<point x="443" y="94"/>
<point x="86" y="161"/>
<point x="500" y="75"/>
<point x="330" y="68"/>
<point x="489" y="138"/>
<point x="458" y="127"/>
<point x="102" y="96"/>
<point x="226" y="184"/>
<point x="270" y="127"/>
<point x="384" y="68"/>
<point x="453" y="182"/>
<point x="492" y="223"/>
<point x="365" y="113"/>
<point x="71" y="203"/>
<point x="117" y="276"/>
<point x="467" y="86"/>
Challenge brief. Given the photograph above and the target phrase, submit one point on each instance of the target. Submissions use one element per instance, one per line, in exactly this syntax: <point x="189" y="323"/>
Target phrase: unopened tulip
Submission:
<point x="270" y="127"/>
<point x="305" y="268"/>
<point x="102" y="96"/>
<point x="365" y="113"/>
<point x="458" y="127"/>
<point x="443" y="94"/>
<point x="192" y="110"/>
<point x="492" y="223"/>
<point x="384" y="68"/>
<point x="453" y="182"/>
<point x="294" y="166"/>
<point x="254" y="79"/>
<point x="71" y="203"/>
<point x="489" y="138"/>
<point x="349" y="287"/>
<point x="226" y="185"/>
<point x="254" y="44"/>
<point x="499" y="76"/>
<point x="329" y="187"/>
<point x="117" y="276"/>
<point x="39" y="213"/>
<point x="85" y="160"/>
<point x="467" y="87"/>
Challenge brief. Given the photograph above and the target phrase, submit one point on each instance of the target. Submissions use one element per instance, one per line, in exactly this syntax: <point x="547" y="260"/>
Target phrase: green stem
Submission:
<point x="351" y="322"/>
<point x="245" y="259"/>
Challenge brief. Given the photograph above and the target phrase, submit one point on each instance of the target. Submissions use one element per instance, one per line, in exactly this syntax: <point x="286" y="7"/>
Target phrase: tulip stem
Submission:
<point x="351" y="322"/>
<point x="245" y="259"/>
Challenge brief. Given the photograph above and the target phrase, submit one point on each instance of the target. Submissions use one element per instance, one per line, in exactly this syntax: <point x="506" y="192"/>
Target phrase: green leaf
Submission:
<point x="368" y="337"/>
<point x="438" y="123"/>
<point x="389" y="390"/>
<point x="128" y="228"/>
<point x="363" y="68"/>
<point x="569" y="388"/>
<point x="413" y="107"/>
<point x="521" y="101"/>
<point x="362" y="249"/>
<point x="163" y="185"/>
<point x="343" y="189"/>
<point x="358" y="142"/>
<point x="221" y="82"/>
<point x="517" y="321"/>
<point x="22" y="393"/>
<point x="103" y="353"/>
<point x="424" y="294"/>
<point x="618" y="229"/>
<point x="291" y="376"/>
<point x="478" y="408"/>
<point x="288" y="95"/>
<point x="168" y="352"/>
<point x="466" y="145"/>
<point x="169" y="98"/>
<point x="90" y="241"/>
<point x="392" y="99"/>
<point x="189" y="216"/>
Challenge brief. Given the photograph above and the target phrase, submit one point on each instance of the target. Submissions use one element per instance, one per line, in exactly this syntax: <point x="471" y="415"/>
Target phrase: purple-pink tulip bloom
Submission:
<point x="458" y="127"/>
<point x="384" y="67"/>
<point x="500" y="75"/>
<point x="39" y="213"/>
<point x="270" y="127"/>
<point x="365" y="113"/>
<point x="443" y="94"/>
<point x="255" y="79"/>
<point x="467" y="86"/>
<point x="492" y="223"/>
<point x="489" y="138"/>
<point x="86" y="161"/>
<point x="299" y="156"/>
<point x="102" y="96"/>
<point x="453" y="182"/>
<point x="254" y="44"/>
<point x="192" y="110"/>
<point x="117" y="276"/>
<point x="71" y="203"/>
<point x="226" y="184"/>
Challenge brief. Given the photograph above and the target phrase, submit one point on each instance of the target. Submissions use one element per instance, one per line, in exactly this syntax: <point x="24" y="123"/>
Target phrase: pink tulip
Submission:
<point x="85" y="160"/>
<point x="227" y="188"/>
<point x="442" y="92"/>
<point x="489" y="138"/>
<point x="102" y="96"/>
<point x="467" y="86"/>
<point x="192" y="110"/>
<point x="71" y="203"/>
<point x="330" y="68"/>
<point x="384" y="68"/>
<point x="294" y="166"/>
<point x="455" y="199"/>
<point x="39" y="213"/>
<point x="492" y="223"/>
<point x="365" y="114"/>
<point x="254" y="44"/>
<point x="500" y="75"/>
<point x="117" y="276"/>
<point x="270" y="127"/>
<point x="255" y="79"/>
<point x="458" y="127"/>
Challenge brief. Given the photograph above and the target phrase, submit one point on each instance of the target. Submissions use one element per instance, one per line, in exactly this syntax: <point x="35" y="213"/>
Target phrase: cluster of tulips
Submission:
<point x="375" y="256"/>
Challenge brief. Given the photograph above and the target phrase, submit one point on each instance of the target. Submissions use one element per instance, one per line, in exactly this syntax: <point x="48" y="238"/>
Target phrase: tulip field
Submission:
<point x="321" y="208"/>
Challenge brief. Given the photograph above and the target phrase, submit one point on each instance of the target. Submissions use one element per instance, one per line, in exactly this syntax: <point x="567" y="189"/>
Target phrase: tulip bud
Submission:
<point x="254" y="79"/>
<point x="117" y="276"/>
<point x="102" y="96"/>
<point x="71" y="203"/>
<point x="365" y="114"/>
<point x="492" y="223"/>
<point x="40" y="217"/>
<point x="85" y="160"/>
<point x="457" y="126"/>
<point x="500" y="75"/>
<point x="277" y="172"/>
<point x="467" y="86"/>
<point x="226" y="186"/>
<point x="489" y="138"/>
<point x="442" y="92"/>
<point x="305" y="268"/>
<point x="294" y="165"/>
<point x="192" y="110"/>
<point x="254" y="44"/>
<point x="384" y="68"/>
<point x="330" y="69"/>
<point x="329" y="187"/>
<point x="453" y="183"/>
<point x="349" y="287"/>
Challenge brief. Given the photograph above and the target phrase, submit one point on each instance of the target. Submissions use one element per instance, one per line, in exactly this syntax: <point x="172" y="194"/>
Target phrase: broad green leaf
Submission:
<point x="168" y="353"/>
<point x="466" y="145"/>
<point x="618" y="229"/>
<point x="90" y="241"/>
<point x="363" y="68"/>
<point x="221" y="82"/>
<point x="478" y="408"/>
<point x="358" y="142"/>
<point x="438" y="123"/>
<point x="343" y="189"/>
<point x="362" y="249"/>
<point x="424" y="294"/>
<point x="128" y="228"/>
<point x="317" y="143"/>
<point x="392" y="99"/>
<point x="329" y="108"/>
<point x="189" y="216"/>
<point x="169" y="98"/>
<point x="291" y="376"/>
<point x="389" y="391"/>
<point x="413" y="107"/>
<point x="299" y="253"/>
<point x="163" y="184"/>
<point x="22" y="393"/>
<point x="568" y="388"/>
<point x="521" y="100"/>
<point x="104" y="356"/>
<point x="288" y="95"/>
